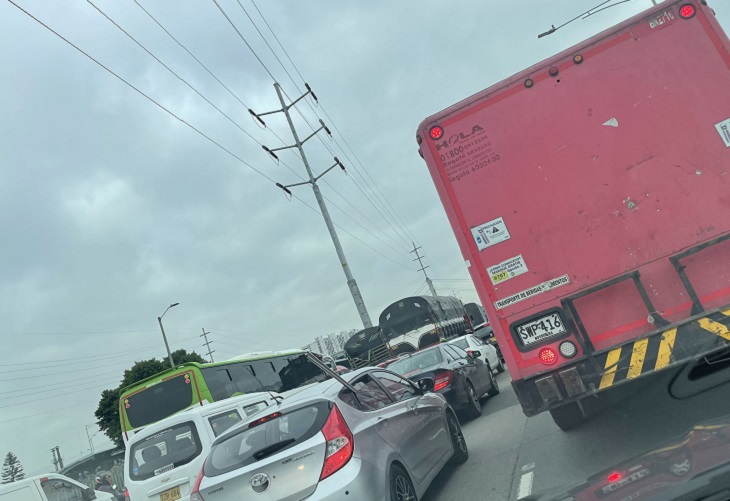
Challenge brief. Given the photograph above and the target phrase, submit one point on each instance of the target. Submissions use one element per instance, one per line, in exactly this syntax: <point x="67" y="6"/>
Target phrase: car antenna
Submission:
<point x="276" y="398"/>
<point x="587" y="13"/>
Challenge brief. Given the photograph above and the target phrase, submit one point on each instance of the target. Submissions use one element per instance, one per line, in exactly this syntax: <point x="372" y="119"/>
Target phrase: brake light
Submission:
<point x="340" y="444"/>
<point x="126" y="494"/>
<point x="195" y="494"/>
<point x="265" y="419"/>
<point x="614" y="477"/>
<point x="470" y="353"/>
<point x="436" y="132"/>
<point x="548" y="356"/>
<point x="442" y="381"/>
<point x="687" y="11"/>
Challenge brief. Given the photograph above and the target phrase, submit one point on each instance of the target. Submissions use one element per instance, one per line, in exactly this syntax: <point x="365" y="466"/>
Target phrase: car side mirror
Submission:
<point x="476" y="354"/>
<point x="426" y="384"/>
<point x="88" y="495"/>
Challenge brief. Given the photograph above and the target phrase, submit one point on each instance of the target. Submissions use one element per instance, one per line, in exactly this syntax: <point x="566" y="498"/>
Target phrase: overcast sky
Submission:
<point x="110" y="209"/>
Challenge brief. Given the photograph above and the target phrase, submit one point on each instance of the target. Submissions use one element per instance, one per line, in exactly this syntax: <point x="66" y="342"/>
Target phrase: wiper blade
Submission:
<point x="272" y="449"/>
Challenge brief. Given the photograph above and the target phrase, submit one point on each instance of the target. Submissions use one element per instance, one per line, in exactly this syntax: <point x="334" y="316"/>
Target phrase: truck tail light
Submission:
<point x="687" y="11"/>
<point x="195" y="494"/>
<point x="339" y="443"/>
<point x="548" y="356"/>
<point x="442" y="381"/>
<point x="436" y="132"/>
<point x="568" y="349"/>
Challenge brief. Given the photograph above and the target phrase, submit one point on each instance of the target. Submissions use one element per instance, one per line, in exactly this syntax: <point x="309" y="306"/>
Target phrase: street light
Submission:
<point x="159" y="320"/>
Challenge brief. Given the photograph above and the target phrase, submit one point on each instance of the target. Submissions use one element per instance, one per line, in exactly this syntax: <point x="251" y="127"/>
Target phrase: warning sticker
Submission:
<point x="532" y="291"/>
<point x="490" y="233"/>
<point x="507" y="269"/>
<point x="723" y="128"/>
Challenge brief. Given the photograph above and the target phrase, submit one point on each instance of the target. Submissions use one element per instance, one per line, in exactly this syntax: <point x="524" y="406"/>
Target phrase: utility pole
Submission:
<point x="89" y="437"/>
<point x="423" y="269"/>
<point x="351" y="283"/>
<point x="207" y="344"/>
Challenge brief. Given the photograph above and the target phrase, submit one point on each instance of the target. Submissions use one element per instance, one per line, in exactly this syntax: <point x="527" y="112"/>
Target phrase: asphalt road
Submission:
<point x="510" y="453"/>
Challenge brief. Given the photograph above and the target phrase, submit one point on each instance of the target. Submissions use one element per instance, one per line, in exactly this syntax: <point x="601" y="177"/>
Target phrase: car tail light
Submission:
<point x="340" y="444"/>
<point x="548" y="356"/>
<point x="470" y="353"/>
<point x="614" y="477"/>
<point x="195" y="494"/>
<point x="687" y="11"/>
<point x="442" y="381"/>
<point x="126" y="494"/>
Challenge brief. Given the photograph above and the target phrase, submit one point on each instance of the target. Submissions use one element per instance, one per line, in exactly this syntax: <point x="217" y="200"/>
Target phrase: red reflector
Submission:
<point x="436" y="132"/>
<point x="548" y="356"/>
<point x="442" y="381"/>
<point x="264" y="419"/>
<point x="687" y="11"/>
<point x="339" y="443"/>
<point x="614" y="477"/>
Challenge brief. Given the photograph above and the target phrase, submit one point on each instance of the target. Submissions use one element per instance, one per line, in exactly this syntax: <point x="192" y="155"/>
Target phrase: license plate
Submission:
<point x="540" y="329"/>
<point x="171" y="495"/>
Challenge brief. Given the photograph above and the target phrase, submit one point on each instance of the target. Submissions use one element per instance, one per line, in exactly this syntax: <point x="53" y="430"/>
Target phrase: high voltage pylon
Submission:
<point x="299" y="145"/>
<point x="207" y="344"/>
<point x="423" y="269"/>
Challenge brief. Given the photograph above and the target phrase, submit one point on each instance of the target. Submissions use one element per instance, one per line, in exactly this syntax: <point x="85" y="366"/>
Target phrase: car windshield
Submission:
<point x="196" y="196"/>
<point x="416" y="362"/>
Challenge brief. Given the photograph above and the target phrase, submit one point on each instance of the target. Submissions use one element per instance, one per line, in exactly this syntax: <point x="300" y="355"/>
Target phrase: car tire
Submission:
<point x="461" y="451"/>
<point x="567" y="417"/>
<point x="474" y="408"/>
<point x="500" y="367"/>
<point x="401" y="487"/>
<point x="494" y="388"/>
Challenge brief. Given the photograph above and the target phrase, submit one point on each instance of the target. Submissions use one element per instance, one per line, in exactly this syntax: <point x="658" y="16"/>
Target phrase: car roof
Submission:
<point x="201" y="411"/>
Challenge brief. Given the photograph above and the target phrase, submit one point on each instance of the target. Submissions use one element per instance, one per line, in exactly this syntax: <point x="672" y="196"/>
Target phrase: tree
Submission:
<point x="12" y="469"/>
<point x="107" y="412"/>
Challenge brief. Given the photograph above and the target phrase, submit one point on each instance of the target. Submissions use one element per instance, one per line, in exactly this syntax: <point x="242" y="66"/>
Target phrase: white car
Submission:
<point x="487" y="353"/>
<point x="50" y="487"/>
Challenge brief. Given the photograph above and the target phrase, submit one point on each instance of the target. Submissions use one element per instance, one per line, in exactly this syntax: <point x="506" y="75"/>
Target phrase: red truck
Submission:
<point x="590" y="197"/>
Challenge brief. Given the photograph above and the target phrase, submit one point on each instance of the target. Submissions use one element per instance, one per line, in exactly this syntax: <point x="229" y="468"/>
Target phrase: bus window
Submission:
<point x="159" y="401"/>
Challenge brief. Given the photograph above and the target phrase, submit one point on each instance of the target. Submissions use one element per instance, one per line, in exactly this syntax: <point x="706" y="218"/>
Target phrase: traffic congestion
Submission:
<point x="575" y="190"/>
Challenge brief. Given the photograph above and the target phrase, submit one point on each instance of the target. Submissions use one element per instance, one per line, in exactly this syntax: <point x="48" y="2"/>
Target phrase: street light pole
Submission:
<point x="164" y="337"/>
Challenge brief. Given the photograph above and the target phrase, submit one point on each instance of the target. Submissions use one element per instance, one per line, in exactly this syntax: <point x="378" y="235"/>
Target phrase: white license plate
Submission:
<point x="540" y="329"/>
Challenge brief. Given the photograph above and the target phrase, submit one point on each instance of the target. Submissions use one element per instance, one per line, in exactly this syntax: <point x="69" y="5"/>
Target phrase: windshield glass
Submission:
<point x="164" y="451"/>
<point x="416" y="362"/>
<point x="249" y="445"/>
<point x="159" y="401"/>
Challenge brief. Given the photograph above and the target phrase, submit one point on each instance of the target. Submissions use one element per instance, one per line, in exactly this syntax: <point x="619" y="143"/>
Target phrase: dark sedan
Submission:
<point x="458" y="376"/>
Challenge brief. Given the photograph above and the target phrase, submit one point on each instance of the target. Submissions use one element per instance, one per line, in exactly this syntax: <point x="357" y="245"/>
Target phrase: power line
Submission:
<point x="85" y="388"/>
<point x="75" y="360"/>
<point x="76" y="406"/>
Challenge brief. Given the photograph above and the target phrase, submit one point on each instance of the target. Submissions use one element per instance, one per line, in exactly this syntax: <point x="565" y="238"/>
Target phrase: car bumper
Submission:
<point x="357" y="481"/>
<point x="456" y="399"/>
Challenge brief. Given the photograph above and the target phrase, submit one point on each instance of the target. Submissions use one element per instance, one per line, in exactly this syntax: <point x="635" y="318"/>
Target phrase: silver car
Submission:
<point x="371" y="436"/>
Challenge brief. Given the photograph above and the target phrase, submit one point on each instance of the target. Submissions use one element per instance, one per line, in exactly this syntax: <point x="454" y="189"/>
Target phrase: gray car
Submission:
<point x="387" y="441"/>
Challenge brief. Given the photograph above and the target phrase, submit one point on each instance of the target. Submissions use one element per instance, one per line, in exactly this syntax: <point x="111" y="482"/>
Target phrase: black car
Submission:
<point x="459" y="377"/>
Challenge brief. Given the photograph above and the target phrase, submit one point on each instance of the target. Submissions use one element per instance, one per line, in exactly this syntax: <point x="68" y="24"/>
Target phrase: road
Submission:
<point x="512" y="455"/>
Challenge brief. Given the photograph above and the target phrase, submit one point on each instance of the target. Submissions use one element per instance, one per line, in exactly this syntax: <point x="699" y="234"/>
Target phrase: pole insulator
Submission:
<point x="267" y="150"/>
<point x="284" y="188"/>
<point x="253" y="114"/>
<point x="314" y="96"/>
<point x="325" y="127"/>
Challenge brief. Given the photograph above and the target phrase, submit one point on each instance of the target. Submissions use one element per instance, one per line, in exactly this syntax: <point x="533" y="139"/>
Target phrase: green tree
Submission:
<point x="12" y="469"/>
<point x="107" y="412"/>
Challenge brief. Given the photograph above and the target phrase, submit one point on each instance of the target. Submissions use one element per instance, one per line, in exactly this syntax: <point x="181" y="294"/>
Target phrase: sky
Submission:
<point x="111" y="209"/>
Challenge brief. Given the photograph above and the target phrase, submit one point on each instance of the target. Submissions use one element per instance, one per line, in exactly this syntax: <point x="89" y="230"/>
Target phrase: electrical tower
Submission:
<point x="57" y="459"/>
<point x="351" y="283"/>
<point x="423" y="269"/>
<point x="207" y="344"/>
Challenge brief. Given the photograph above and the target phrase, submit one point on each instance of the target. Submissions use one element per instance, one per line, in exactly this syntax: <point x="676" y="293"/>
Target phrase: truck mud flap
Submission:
<point x="687" y="341"/>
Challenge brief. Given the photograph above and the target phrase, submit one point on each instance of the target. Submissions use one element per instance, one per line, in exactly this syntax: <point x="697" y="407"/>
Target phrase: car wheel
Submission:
<point x="401" y="487"/>
<point x="474" y="408"/>
<point x="461" y="451"/>
<point x="500" y="367"/>
<point x="494" y="388"/>
<point x="567" y="417"/>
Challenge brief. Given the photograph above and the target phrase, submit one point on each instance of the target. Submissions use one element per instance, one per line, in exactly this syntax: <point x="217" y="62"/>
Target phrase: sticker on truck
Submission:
<point x="723" y="128"/>
<point x="505" y="270"/>
<point x="490" y="233"/>
<point x="532" y="291"/>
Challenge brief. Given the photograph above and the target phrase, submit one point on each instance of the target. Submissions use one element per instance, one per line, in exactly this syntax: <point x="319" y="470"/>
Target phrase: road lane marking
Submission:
<point x="528" y="466"/>
<point x="525" y="488"/>
<point x="665" y="348"/>
<point x="611" y="366"/>
<point x="637" y="358"/>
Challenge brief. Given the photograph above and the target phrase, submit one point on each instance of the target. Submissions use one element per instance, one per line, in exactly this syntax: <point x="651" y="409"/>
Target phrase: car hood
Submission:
<point x="695" y="465"/>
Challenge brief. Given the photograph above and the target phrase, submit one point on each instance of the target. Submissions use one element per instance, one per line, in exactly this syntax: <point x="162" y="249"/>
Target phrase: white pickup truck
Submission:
<point x="50" y="487"/>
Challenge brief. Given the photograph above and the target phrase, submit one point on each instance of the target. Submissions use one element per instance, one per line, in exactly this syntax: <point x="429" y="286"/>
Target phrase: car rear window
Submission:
<point x="416" y="362"/>
<point x="250" y="445"/>
<point x="461" y="342"/>
<point x="159" y="401"/>
<point x="164" y="451"/>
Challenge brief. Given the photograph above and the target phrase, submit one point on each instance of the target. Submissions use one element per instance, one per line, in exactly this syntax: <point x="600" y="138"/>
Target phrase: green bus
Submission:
<point x="191" y="384"/>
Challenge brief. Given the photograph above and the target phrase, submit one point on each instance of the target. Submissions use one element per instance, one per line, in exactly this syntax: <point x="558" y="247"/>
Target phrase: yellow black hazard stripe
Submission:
<point x="656" y="352"/>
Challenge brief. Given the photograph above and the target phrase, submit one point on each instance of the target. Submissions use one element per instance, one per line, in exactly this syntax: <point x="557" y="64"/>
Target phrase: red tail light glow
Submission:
<point x="195" y="494"/>
<point x="264" y="419"/>
<point x="548" y="356"/>
<point x="687" y="11"/>
<point x="436" y="132"/>
<point x="340" y="444"/>
<point x="442" y="381"/>
<point x="614" y="477"/>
